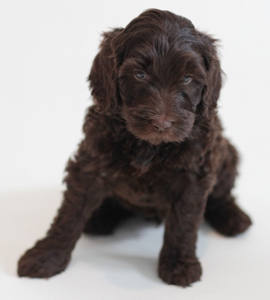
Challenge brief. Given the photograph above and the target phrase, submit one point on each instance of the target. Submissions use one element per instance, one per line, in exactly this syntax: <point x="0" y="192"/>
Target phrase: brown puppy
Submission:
<point x="153" y="144"/>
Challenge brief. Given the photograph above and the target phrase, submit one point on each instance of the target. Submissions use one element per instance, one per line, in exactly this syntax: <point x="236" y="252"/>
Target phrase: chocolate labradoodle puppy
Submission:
<point x="153" y="145"/>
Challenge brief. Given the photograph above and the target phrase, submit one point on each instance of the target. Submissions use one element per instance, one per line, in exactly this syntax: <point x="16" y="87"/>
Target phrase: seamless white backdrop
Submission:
<point x="46" y="51"/>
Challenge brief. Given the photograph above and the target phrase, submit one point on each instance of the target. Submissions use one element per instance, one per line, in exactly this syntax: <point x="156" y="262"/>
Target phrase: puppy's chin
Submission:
<point x="157" y="138"/>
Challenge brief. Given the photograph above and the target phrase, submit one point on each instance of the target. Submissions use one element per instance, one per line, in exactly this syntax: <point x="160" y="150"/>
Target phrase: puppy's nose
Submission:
<point x="161" y="124"/>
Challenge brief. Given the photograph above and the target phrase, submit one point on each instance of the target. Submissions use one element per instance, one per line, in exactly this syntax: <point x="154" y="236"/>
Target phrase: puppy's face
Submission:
<point x="161" y="83"/>
<point x="158" y="73"/>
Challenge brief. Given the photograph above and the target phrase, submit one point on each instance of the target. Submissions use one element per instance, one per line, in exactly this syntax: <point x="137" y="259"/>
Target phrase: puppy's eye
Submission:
<point x="140" y="74"/>
<point x="186" y="79"/>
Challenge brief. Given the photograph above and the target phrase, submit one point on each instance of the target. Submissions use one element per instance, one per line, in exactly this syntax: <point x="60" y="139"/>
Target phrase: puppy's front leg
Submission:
<point x="178" y="263"/>
<point x="51" y="255"/>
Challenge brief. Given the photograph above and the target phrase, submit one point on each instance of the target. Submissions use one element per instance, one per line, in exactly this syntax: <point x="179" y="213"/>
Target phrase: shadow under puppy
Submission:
<point x="153" y="144"/>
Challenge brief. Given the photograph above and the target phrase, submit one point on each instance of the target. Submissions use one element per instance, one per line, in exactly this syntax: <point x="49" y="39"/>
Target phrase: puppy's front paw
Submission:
<point x="42" y="263"/>
<point x="177" y="272"/>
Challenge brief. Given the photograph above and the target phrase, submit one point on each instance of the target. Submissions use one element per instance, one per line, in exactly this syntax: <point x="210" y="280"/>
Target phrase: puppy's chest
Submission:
<point x="144" y="190"/>
<point x="150" y="181"/>
<point x="161" y="164"/>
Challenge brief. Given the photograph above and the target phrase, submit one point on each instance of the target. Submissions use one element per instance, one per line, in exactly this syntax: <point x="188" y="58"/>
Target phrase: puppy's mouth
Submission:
<point x="157" y="138"/>
<point x="156" y="128"/>
<point x="177" y="132"/>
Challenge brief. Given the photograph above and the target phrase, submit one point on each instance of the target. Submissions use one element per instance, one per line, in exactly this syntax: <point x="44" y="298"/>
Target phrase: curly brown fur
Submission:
<point x="153" y="145"/>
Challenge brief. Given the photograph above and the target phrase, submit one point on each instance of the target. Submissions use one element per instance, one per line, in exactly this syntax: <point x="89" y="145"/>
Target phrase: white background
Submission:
<point x="46" y="51"/>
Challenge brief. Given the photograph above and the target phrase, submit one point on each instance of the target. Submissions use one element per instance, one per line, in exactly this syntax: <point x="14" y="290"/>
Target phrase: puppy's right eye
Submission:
<point x="186" y="79"/>
<point x="140" y="74"/>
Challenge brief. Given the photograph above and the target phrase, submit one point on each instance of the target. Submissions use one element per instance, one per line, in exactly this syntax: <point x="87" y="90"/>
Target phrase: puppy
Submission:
<point x="153" y="145"/>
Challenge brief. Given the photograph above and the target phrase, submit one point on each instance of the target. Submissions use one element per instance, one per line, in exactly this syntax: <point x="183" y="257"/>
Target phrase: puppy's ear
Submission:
<point x="212" y="88"/>
<point x="103" y="75"/>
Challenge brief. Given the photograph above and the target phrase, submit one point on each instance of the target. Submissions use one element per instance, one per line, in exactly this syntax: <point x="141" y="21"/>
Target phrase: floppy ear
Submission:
<point x="212" y="88"/>
<point x="103" y="75"/>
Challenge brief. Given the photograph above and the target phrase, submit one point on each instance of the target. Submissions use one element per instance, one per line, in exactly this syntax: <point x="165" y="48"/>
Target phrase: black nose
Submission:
<point x="161" y="124"/>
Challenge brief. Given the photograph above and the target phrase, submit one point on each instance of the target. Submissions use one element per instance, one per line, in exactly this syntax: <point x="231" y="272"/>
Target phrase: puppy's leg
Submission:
<point x="222" y="213"/>
<point x="107" y="217"/>
<point x="178" y="263"/>
<point x="51" y="255"/>
<point x="226" y="216"/>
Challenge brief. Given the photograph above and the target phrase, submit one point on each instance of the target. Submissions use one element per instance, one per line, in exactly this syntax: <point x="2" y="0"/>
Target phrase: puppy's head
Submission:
<point x="160" y="74"/>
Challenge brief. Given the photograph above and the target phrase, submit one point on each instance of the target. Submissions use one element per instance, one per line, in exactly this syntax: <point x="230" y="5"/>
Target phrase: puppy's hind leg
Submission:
<point x="222" y="213"/>
<point x="107" y="217"/>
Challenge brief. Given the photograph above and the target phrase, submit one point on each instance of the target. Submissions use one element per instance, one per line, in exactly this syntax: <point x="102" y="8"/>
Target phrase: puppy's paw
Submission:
<point x="181" y="273"/>
<point x="228" y="219"/>
<point x="42" y="263"/>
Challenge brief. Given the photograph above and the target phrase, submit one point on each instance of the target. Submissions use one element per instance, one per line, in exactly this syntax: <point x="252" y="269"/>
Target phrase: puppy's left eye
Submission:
<point x="140" y="74"/>
<point x="186" y="79"/>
